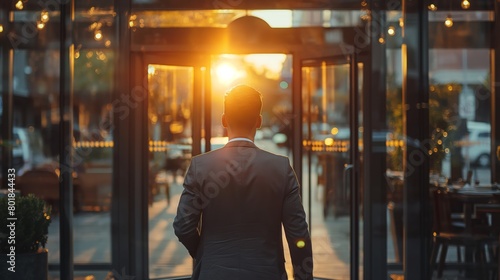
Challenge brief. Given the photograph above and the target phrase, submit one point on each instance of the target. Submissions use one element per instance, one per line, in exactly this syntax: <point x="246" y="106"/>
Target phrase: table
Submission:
<point x="494" y="209"/>
<point x="474" y="201"/>
<point x="469" y="198"/>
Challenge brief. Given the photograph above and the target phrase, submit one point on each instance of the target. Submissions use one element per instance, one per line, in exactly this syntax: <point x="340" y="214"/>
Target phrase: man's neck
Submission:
<point x="240" y="134"/>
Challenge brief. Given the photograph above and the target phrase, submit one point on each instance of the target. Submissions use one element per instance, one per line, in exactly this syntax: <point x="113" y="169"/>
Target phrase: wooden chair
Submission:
<point x="446" y="234"/>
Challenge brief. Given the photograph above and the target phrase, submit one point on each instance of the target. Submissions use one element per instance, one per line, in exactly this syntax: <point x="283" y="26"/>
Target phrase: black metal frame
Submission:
<point x="495" y="97"/>
<point x="66" y="139"/>
<point x="375" y="264"/>
<point x="6" y="91"/>
<point x="417" y="234"/>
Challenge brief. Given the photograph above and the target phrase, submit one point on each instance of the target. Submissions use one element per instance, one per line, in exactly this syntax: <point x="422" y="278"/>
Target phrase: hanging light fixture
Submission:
<point x="19" y="5"/>
<point x="432" y="7"/>
<point x="391" y="31"/>
<point x="381" y="39"/>
<point x="44" y="16"/>
<point x="98" y="35"/>
<point x="448" y="22"/>
<point x="465" y="4"/>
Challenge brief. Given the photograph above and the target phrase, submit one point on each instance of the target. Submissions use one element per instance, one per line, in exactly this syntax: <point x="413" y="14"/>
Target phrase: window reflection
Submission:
<point x="459" y="113"/>
<point x="221" y="18"/>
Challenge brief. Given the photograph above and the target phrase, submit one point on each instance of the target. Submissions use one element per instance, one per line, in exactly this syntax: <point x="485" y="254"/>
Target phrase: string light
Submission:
<point x="365" y="11"/>
<point x="44" y="16"/>
<point x="98" y="35"/>
<point x="448" y="21"/>
<point x="391" y="30"/>
<point x="40" y="24"/>
<point x="432" y="7"/>
<point x="1" y="28"/>
<point x="465" y="4"/>
<point x="19" y="5"/>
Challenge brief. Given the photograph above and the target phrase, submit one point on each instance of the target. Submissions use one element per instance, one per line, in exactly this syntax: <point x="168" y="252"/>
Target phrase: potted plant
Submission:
<point x="23" y="239"/>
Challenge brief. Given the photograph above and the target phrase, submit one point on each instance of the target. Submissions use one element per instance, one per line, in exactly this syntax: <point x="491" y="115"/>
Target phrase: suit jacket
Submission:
<point x="231" y="211"/>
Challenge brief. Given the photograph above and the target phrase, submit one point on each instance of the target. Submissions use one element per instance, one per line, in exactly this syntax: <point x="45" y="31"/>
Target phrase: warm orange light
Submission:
<point x="449" y="21"/>
<point x="226" y="73"/>
<point x="19" y="5"/>
<point x="432" y="7"/>
<point x="391" y="30"/>
<point x="329" y="141"/>
<point x="44" y="16"/>
<point x="465" y="4"/>
<point x="98" y="35"/>
<point x="334" y="131"/>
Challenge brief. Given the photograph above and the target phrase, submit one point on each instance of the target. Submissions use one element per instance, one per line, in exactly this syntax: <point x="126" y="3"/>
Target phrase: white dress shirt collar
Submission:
<point x="240" y="139"/>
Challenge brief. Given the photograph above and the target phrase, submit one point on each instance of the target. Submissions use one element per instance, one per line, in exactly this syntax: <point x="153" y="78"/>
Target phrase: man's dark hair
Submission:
<point x="242" y="106"/>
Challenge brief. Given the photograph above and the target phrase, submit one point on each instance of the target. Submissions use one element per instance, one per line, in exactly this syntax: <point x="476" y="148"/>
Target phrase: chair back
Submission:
<point x="441" y="211"/>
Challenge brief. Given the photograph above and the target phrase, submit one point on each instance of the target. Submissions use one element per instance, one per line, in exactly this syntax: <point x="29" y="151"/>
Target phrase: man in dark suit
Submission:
<point x="235" y="201"/>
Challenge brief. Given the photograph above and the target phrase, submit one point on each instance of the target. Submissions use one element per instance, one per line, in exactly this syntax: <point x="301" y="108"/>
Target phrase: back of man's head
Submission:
<point x="242" y="106"/>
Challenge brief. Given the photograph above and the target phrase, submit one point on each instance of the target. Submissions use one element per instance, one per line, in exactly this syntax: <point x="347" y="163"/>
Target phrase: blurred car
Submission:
<point x="477" y="144"/>
<point x="27" y="150"/>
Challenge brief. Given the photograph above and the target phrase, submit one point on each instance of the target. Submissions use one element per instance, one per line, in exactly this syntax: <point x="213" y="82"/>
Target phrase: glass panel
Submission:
<point x="35" y="132"/>
<point x="326" y="134"/>
<point x="460" y="106"/>
<point x="92" y="154"/>
<point x="169" y="125"/>
<point x="221" y="18"/>
<point x="93" y="139"/>
<point x="394" y="146"/>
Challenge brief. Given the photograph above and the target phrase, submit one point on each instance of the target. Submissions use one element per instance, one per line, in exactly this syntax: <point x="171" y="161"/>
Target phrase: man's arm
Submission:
<point x="296" y="230"/>
<point x="188" y="213"/>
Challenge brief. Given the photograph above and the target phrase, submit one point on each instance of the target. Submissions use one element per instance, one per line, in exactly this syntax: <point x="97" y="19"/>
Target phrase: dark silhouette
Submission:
<point x="235" y="201"/>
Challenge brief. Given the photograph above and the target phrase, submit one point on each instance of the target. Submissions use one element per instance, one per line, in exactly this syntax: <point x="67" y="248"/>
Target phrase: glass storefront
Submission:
<point x="341" y="99"/>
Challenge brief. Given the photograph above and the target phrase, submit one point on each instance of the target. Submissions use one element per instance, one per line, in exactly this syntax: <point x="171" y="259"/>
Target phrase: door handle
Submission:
<point x="347" y="167"/>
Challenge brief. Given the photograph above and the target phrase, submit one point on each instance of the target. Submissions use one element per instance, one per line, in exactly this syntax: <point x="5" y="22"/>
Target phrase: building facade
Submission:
<point x="376" y="103"/>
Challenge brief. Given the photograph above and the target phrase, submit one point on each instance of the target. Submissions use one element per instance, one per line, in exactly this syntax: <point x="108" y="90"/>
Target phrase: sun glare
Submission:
<point x="227" y="73"/>
<point x="271" y="65"/>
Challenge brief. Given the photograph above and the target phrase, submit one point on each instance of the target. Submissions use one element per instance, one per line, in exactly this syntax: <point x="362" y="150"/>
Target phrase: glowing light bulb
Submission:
<point x="381" y="40"/>
<point x="391" y="30"/>
<point x="19" y="5"/>
<point x="98" y="35"/>
<point x="465" y="4"/>
<point x="449" y="21"/>
<point x="1" y="28"/>
<point x="40" y="25"/>
<point x="44" y="16"/>
<point x="432" y="7"/>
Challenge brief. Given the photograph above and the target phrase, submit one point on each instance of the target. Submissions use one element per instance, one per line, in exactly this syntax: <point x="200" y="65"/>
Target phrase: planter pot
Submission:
<point x="27" y="266"/>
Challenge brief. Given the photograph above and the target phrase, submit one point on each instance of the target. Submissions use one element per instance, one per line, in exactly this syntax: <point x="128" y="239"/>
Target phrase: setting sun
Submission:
<point x="227" y="73"/>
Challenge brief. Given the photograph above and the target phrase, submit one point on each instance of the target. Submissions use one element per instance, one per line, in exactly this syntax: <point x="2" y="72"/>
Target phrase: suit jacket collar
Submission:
<point x="240" y="144"/>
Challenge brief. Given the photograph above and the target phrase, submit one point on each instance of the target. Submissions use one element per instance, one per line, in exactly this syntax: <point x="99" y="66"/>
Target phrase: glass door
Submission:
<point x="177" y="91"/>
<point x="331" y="163"/>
